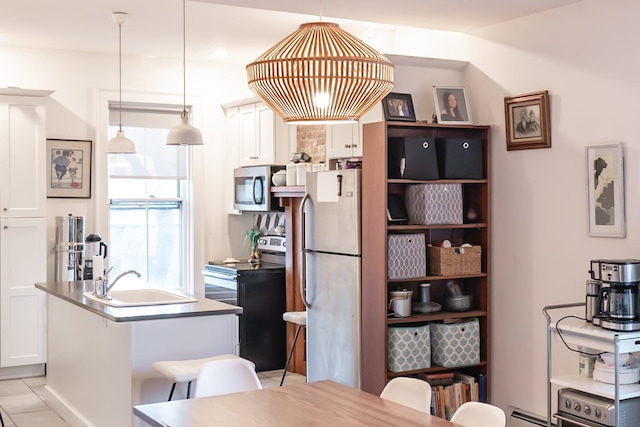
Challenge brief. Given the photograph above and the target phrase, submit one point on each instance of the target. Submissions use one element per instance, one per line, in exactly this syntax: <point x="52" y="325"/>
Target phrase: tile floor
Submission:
<point x="23" y="401"/>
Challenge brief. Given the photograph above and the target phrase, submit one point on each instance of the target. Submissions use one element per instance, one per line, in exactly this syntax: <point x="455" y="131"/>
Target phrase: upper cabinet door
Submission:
<point x="343" y="140"/>
<point x="266" y="135"/>
<point x="247" y="135"/>
<point x="23" y="165"/>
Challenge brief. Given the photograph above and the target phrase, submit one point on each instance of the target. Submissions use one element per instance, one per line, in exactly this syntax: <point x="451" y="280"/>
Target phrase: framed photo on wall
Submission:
<point x="69" y="168"/>
<point x="527" y="121"/>
<point x="398" y="107"/>
<point x="605" y="190"/>
<point x="452" y="105"/>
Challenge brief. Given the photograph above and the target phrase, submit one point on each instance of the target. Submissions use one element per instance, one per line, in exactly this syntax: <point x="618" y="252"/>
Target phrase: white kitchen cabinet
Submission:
<point x="23" y="165"/>
<point x="262" y="137"/>
<point x="23" y="262"/>
<point x="343" y="140"/>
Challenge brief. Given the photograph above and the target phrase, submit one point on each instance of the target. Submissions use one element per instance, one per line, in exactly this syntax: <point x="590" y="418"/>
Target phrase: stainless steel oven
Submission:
<point x="221" y="286"/>
<point x="579" y="409"/>
<point x="252" y="189"/>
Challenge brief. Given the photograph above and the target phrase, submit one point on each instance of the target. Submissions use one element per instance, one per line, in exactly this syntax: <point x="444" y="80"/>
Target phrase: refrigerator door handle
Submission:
<point x="303" y="253"/>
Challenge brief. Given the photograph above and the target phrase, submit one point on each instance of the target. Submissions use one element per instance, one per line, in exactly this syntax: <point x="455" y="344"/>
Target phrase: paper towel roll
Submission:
<point x="97" y="263"/>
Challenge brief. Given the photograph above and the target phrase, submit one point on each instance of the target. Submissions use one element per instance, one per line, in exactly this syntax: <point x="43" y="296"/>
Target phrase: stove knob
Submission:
<point x="598" y="413"/>
<point x="587" y="409"/>
<point x="577" y="406"/>
<point x="567" y="404"/>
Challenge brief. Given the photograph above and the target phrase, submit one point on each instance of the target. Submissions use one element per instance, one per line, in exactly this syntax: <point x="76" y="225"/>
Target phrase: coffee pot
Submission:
<point x="94" y="246"/>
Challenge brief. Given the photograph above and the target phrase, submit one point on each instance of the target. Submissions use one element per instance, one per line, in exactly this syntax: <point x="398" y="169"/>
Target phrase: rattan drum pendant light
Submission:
<point x="184" y="134"/>
<point x="321" y="74"/>
<point x="120" y="144"/>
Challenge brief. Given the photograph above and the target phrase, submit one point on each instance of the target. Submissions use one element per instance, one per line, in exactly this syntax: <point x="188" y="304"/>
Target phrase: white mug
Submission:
<point x="400" y="302"/>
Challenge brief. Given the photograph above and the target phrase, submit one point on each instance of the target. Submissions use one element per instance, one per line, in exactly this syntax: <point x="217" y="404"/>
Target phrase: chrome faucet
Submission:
<point x="102" y="286"/>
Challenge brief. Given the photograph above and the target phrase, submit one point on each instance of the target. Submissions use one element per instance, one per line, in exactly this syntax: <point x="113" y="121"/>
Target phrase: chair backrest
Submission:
<point x="226" y="376"/>
<point x="410" y="392"/>
<point x="478" y="414"/>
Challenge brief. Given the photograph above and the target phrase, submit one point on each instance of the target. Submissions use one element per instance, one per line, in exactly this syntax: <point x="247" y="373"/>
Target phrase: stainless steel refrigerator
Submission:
<point x="331" y="274"/>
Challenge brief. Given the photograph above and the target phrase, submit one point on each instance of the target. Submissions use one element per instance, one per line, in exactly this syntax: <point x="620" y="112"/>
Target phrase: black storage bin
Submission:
<point x="460" y="158"/>
<point x="420" y="159"/>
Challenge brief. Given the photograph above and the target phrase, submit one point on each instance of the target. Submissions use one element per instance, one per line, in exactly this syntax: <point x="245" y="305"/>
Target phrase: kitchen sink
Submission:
<point x="140" y="297"/>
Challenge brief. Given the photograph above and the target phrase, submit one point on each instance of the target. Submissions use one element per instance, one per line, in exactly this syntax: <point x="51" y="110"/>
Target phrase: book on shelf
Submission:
<point x="440" y="378"/>
<point x="447" y="398"/>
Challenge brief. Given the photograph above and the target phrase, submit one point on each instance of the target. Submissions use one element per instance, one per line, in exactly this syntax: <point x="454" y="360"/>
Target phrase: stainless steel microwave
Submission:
<point x="252" y="189"/>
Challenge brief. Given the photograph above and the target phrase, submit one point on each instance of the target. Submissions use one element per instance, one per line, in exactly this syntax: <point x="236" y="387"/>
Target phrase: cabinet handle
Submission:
<point x="4" y="209"/>
<point x="347" y="146"/>
<point x="5" y="227"/>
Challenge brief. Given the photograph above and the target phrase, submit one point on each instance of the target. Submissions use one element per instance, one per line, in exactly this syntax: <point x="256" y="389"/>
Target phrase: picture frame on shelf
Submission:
<point x="452" y="105"/>
<point x="398" y="107"/>
<point x="605" y="190"/>
<point x="68" y="168"/>
<point x="527" y="121"/>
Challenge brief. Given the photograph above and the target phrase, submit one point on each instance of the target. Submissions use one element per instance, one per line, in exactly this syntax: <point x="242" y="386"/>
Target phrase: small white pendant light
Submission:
<point x="184" y="134"/>
<point x="120" y="144"/>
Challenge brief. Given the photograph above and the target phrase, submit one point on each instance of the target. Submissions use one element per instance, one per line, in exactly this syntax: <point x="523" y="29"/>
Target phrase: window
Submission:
<point x="148" y="198"/>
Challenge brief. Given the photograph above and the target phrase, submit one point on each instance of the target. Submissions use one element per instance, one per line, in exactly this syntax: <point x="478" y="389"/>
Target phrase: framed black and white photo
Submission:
<point x="398" y="107"/>
<point x="605" y="190"/>
<point x="69" y="168"/>
<point x="452" y="105"/>
<point x="527" y="121"/>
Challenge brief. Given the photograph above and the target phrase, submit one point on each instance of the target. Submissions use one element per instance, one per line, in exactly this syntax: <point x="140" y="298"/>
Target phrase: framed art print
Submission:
<point x="605" y="190"/>
<point x="452" y="105"/>
<point x="69" y="168"/>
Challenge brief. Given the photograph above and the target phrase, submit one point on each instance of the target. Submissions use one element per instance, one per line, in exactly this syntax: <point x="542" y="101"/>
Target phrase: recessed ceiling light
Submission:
<point x="219" y="54"/>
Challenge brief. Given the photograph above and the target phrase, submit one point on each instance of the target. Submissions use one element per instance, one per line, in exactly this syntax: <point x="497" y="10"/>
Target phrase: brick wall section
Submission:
<point x="312" y="139"/>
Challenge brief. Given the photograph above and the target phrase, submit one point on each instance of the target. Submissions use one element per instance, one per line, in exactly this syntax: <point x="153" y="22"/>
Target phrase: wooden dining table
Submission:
<point x="321" y="403"/>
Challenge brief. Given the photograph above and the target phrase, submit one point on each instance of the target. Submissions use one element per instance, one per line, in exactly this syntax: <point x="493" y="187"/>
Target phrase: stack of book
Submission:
<point x="450" y="390"/>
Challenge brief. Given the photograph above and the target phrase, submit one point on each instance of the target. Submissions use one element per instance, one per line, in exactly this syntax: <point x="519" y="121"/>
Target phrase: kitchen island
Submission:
<point x="100" y="358"/>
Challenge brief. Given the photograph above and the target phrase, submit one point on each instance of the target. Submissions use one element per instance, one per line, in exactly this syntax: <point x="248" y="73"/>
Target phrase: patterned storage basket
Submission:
<point x="455" y="344"/>
<point x="434" y="203"/>
<point x="406" y="256"/>
<point x="408" y="347"/>
<point x="456" y="260"/>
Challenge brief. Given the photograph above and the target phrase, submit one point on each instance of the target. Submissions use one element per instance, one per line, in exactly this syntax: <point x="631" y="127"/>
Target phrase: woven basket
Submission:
<point x="455" y="260"/>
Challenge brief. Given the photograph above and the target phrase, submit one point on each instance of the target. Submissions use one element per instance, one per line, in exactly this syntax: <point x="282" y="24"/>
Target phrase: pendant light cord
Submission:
<point x="184" y="61"/>
<point x="120" y="72"/>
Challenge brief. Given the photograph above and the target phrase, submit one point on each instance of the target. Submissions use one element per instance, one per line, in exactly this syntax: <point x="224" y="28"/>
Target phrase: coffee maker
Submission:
<point x="617" y="307"/>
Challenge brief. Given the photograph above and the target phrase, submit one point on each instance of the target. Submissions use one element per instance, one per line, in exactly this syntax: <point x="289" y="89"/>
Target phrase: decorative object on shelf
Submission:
<point x="279" y="178"/>
<point x="452" y="105"/>
<point x="398" y="107"/>
<point x="184" y="134"/>
<point x="253" y="235"/>
<point x="120" y="144"/>
<point x="69" y="168"/>
<point x="321" y="74"/>
<point x="605" y="190"/>
<point x="528" y="121"/>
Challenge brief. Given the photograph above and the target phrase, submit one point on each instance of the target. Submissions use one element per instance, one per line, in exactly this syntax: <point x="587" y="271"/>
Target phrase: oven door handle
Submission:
<point x="221" y="276"/>
<point x="574" y="421"/>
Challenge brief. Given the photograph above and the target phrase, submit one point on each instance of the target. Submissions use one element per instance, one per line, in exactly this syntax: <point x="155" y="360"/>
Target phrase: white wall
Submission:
<point x="586" y="56"/>
<point x="71" y="114"/>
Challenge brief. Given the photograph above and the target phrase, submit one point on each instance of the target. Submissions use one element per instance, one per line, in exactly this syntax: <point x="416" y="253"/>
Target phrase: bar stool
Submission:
<point x="300" y="319"/>
<point x="179" y="371"/>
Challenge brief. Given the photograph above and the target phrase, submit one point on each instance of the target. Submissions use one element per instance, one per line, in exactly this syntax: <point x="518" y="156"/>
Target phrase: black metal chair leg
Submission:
<point x="173" y="387"/>
<point x="188" y="389"/>
<point x="293" y="345"/>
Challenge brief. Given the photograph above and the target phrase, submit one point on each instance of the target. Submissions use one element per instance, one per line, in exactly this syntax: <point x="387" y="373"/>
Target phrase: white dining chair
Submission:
<point x="181" y="371"/>
<point x="410" y="392"/>
<point x="226" y="376"/>
<point x="478" y="414"/>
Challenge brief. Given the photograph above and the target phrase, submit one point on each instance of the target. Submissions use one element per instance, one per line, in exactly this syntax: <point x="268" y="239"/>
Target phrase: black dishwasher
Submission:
<point x="259" y="288"/>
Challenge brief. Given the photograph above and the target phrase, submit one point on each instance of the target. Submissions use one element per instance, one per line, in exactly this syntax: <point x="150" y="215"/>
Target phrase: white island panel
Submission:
<point x="98" y="369"/>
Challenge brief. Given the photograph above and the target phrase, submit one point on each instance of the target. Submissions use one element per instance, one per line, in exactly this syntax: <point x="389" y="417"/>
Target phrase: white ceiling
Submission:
<point x="245" y="28"/>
